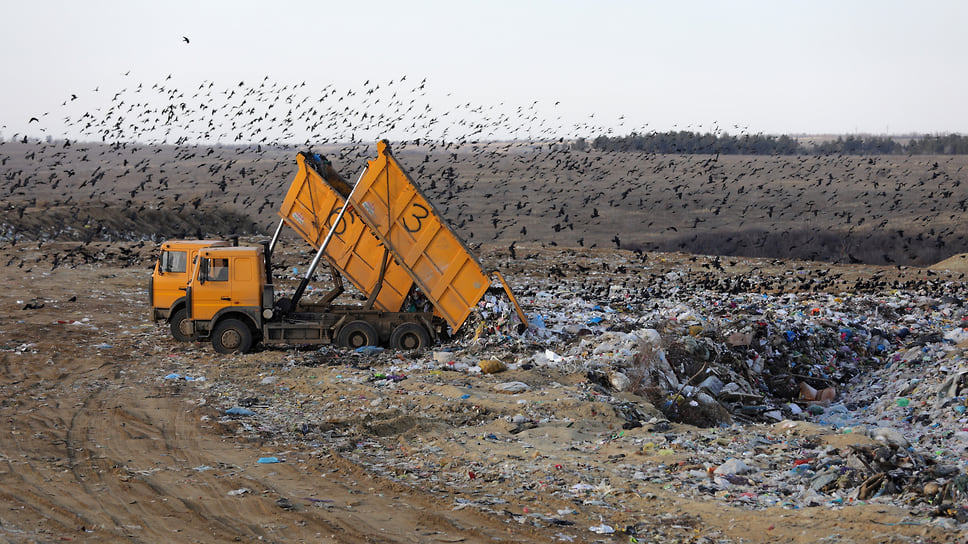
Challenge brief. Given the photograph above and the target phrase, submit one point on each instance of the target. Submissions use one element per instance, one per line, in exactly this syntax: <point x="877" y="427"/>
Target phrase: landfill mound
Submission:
<point x="956" y="263"/>
<point x="662" y="397"/>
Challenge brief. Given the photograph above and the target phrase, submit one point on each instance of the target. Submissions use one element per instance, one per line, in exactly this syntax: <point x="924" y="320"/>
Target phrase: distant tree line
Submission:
<point x="760" y="144"/>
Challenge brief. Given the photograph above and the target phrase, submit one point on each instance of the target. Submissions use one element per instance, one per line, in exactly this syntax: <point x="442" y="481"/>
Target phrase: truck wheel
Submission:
<point x="357" y="334"/>
<point x="409" y="336"/>
<point x="231" y="336"/>
<point x="181" y="327"/>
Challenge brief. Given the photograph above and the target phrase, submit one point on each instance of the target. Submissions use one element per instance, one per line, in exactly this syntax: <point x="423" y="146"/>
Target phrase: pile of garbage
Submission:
<point x="716" y="359"/>
<point x="892" y="368"/>
<point x="757" y="400"/>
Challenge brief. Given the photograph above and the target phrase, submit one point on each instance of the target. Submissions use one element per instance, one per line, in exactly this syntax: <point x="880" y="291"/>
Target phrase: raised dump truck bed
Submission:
<point x="391" y="204"/>
<point x="310" y="206"/>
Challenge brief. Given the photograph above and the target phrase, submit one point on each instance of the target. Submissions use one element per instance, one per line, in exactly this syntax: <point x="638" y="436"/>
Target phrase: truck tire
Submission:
<point x="181" y="326"/>
<point x="357" y="334"/>
<point x="409" y="336"/>
<point x="231" y="336"/>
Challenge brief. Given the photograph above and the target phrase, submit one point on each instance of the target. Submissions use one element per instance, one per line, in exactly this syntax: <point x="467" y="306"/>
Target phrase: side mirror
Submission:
<point x="202" y="271"/>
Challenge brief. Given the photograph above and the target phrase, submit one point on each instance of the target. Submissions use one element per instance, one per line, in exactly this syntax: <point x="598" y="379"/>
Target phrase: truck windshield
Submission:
<point x="217" y="269"/>
<point x="174" y="261"/>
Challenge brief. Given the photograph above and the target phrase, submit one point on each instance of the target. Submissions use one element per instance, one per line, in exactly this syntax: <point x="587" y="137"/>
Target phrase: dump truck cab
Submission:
<point x="169" y="280"/>
<point x="229" y="296"/>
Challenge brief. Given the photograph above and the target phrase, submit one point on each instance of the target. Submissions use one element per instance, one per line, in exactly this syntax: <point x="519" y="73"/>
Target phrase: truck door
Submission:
<point x="227" y="280"/>
<point x="213" y="291"/>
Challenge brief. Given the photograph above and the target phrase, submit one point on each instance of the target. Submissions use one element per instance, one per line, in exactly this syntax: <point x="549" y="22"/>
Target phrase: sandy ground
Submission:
<point x="98" y="446"/>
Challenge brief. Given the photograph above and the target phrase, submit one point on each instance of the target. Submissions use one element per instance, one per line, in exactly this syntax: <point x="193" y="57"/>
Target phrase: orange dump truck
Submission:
<point x="388" y="241"/>
<point x="315" y="197"/>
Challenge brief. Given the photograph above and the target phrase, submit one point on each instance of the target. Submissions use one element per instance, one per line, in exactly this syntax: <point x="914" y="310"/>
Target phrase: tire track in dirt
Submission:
<point x="143" y="465"/>
<point x="37" y="444"/>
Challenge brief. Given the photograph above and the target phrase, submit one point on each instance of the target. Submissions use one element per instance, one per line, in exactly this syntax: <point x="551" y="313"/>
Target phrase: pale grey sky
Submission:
<point x="518" y="68"/>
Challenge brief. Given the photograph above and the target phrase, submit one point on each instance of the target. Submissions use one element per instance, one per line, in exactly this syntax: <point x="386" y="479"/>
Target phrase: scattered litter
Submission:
<point x="733" y="466"/>
<point x="602" y="529"/>
<point x="511" y="387"/>
<point x="491" y="366"/>
<point x="177" y="376"/>
<point x="443" y="356"/>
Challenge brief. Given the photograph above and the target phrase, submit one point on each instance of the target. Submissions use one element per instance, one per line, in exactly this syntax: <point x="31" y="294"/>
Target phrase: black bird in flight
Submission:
<point x="185" y="38"/>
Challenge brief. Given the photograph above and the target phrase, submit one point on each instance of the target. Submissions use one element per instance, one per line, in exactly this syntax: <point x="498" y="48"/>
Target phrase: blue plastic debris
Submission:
<point x="268" y="460"/>
<point x="239" y="411"/>
<point x="177" y="376"/>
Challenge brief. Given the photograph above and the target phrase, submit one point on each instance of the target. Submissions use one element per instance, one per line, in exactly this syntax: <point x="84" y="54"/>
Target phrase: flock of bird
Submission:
<point x="497" y="173"/>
